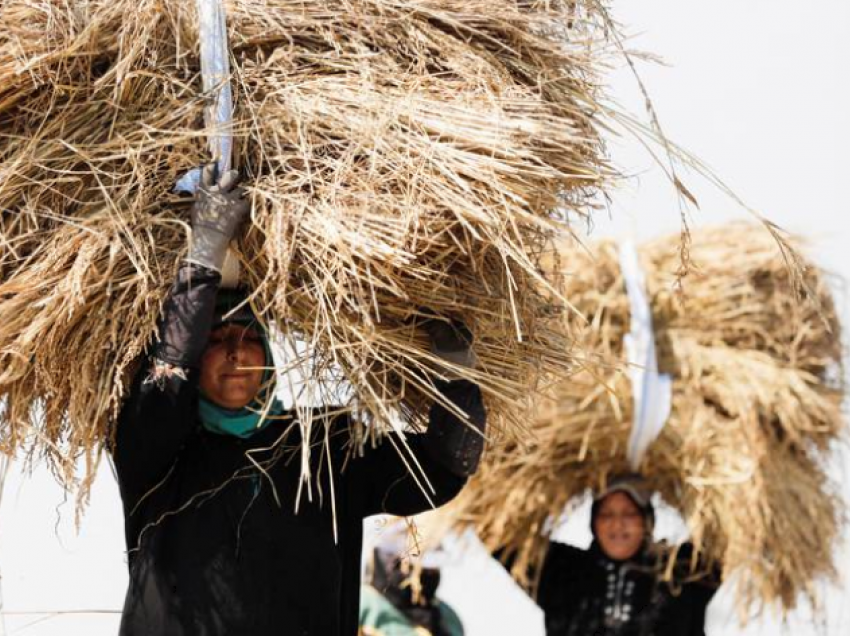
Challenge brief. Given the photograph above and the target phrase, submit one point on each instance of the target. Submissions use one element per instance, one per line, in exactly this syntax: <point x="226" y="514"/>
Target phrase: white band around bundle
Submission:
<point x="652" y="392"/>
<point x="215" y="73"/>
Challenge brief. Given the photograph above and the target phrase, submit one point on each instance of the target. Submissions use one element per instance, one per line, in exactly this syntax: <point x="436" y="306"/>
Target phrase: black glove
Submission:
<point x="218" y="211"/>
<point x="451" y="341"/>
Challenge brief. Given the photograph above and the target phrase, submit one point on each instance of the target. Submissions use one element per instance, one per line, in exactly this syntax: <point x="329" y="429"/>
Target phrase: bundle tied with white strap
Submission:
<point x="752" y="387"/>
<point x="652" y="392"/>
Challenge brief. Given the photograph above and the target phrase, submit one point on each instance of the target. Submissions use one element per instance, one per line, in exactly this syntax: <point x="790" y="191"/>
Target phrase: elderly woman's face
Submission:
<point x="232" y="366"/>
<point x="620" y="527"/>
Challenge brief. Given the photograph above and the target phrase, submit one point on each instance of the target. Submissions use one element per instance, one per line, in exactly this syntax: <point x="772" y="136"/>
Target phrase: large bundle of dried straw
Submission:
<point x="399" y="156"/>
<point x="756" y="407"/>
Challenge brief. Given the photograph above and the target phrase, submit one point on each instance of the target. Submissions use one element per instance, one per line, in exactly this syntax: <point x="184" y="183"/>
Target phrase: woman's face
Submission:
<point x="619" y="526"/>
<point x="232" y="366"/>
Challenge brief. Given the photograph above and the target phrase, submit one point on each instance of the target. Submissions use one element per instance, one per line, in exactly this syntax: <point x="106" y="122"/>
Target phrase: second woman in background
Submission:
<point x="615" y="587"/>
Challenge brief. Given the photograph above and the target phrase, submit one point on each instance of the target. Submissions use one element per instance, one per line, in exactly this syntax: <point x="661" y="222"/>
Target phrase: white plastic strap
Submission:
<point x="652" y="392"/>
<point x="215" y="78"/>
<point x="218" y="115"/>
<point x="215" y="72"/>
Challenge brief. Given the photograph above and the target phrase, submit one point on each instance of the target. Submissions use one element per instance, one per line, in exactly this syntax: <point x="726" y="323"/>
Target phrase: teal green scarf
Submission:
<point x="249" y="419"/>
<point x="242" y="422"/>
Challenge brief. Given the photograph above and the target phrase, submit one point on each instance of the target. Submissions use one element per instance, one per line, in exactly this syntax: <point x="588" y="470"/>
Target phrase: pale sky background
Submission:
<point x="760" y="90"/>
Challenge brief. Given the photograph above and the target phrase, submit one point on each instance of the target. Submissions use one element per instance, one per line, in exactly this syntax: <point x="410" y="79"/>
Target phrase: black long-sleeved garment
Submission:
<point x="214" y="541"/>
<point x="584" y="593"/>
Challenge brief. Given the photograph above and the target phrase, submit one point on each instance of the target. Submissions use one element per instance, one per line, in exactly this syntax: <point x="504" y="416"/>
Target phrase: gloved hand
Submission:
<point x="451" y="341"/>
<point x="217" y="213"/>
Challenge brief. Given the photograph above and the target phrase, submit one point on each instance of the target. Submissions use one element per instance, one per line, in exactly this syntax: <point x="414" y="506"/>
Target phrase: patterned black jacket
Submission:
<point x="584" y="593"/>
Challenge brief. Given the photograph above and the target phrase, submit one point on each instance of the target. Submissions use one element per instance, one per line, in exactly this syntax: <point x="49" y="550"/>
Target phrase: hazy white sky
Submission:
<point x="759" y="89"/>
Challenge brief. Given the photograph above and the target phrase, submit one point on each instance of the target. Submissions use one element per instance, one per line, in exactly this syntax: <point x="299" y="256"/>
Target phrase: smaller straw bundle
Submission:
<point x="756" y="408"/>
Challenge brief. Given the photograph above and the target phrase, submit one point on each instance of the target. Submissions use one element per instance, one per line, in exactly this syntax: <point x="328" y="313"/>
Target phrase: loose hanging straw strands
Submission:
<point x="756" y="406"/>
<point x="399" y="156"/>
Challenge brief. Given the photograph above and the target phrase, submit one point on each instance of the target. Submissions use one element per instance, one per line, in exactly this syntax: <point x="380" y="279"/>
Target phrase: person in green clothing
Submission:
<point x="390" y="607"/>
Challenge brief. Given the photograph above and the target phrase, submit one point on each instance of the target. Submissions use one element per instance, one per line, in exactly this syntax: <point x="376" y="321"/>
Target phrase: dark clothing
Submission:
<point x="584" y="593"/>
<point x="214" y="541"/>
<point x="391" y="583"/>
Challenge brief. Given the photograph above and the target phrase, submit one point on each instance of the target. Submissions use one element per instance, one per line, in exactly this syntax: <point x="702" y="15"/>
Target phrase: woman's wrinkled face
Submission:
<point x="620" y="527"/>
<point x="232" y="366"/>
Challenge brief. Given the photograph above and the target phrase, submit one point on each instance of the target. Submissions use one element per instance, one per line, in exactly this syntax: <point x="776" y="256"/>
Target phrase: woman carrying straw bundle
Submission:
<point x="615" y="587"/>
<point x="749" y="361"/>
<point x="208" y="463"/>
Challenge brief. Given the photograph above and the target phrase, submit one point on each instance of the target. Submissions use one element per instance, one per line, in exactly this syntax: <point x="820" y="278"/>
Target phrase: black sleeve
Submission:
<point x="161" y="411"/>
<point x="548" y="570"/>
<point x="697" y="584"/>
<point x="562" y="566"/>
<point x="704" y="587"/>
<point x="406" y="476"/>
<point x="456" y="444"/>
<point x="701" y="574"/>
